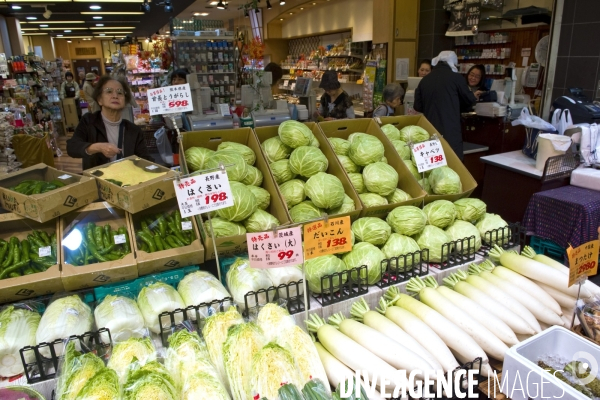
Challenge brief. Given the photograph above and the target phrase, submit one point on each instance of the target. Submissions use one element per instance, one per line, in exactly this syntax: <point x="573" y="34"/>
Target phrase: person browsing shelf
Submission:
<point x="335" y="102"/>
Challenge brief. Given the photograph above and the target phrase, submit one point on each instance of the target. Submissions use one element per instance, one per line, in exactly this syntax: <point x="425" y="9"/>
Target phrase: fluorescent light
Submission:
<point x="15" y="7"/>
<point x="31" y="18"/>
<point x="214" y="3"/>
<point x="97" y="17"/>
<point x="55" y="22"/>
<point x="102" y="28"/>
<point x="204" y="14"/>
<point x="43" y="26"/>
<point x="29" y="29"/>
<point x="99" y="24"/>
<point x="59" y="35"/>
<point x="34" y="33"/>
<point x="69" y="41"/>
<point x="68" y="31"/>
<point x="112" y="13"/>
<point x="103" y="34"/>
<point x="95" y="8"/>
<point x="77" y="37"/>
<point x="64" y="28"/>
<point x="112" y="33"/>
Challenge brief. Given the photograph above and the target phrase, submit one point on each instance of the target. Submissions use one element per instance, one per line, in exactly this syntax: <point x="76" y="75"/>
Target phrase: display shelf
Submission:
<point x="482" y="44"/>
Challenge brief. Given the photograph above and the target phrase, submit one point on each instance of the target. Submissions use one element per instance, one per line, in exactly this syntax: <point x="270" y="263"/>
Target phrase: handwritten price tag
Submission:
<point x="275" y="249"/>
<point x="429" y="155"/>
<point x="583" y="261"/>
<point x="331" y="237"/>
<point x="170" y="99"/>
<point x="203" y="193"/>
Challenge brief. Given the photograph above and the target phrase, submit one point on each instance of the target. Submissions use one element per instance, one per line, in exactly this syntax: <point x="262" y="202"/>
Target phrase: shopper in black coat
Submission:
<point x="103" y="136"/>
<point x="441" y="96"/>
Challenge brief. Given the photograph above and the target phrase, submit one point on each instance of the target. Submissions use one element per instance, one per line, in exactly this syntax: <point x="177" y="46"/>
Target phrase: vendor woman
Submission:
<point x="476" y="78"/>
<point x="103" y="136"/>
<point x="335" y="102"/>
<point x="69" y="88"/>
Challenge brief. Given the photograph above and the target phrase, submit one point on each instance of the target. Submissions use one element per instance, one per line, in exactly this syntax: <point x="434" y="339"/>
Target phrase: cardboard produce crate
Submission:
<point x="227" y="246"/>
<point x="158" y="261"/>
<point x="34" y="285"/>
<point x="334" y="168"/>
<point x="343" y="128"/>
<point x="77" y="192"/>
<point x="138" y="197"/>
<point x="468" y="182"/>
<point x="80" y="277"/>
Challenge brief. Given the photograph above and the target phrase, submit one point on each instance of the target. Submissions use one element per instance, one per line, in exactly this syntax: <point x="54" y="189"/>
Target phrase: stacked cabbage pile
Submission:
<point x="375" y="181"/>
<point x="248" y="214"/>
<point x="299" y="168"/>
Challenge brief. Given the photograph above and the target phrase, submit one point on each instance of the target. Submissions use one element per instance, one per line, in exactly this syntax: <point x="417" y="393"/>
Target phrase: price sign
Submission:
<point x="331" y="237"/>
<point x="429" y="155"/>
<point x="203" y="193"/>
<point x="275" y="249"/>
<point x="120" y="239"/>
<point x="583" y="261"/>
<point x="186" y="225"/>
<point x="45" y="251"/>
<point x="170" y="99"/>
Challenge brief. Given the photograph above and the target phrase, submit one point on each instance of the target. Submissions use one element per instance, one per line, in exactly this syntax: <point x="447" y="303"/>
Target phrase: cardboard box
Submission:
<point x="228" y="246"/>
<point x="70" y="118"/>
<point x="34" y="285"/>
<point x="150" y="263"/>
<point x="88" y="276"/>
<point x="334" y="168"/>
<point x="137" y="197"/>
<point x="77" y="192"/>
<point x="407" y="182"/>
<point x="468" y="182"/>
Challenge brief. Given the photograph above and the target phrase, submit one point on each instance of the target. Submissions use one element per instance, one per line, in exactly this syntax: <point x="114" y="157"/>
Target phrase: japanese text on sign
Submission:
<point x="331" y="237"/>
<point x="583" y="261"/>
<point x="429" y="155"/>
<point x="203" y="193"/>
<point x="170" y="99"/>
<point x="270" y="249"/>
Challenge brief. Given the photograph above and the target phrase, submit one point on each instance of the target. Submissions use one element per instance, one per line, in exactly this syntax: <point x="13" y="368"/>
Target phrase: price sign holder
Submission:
<point x="583" y="262"/>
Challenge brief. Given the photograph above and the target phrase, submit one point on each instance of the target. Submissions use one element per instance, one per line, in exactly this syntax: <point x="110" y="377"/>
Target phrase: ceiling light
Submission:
<point x="269" y="6"/>
<point x="56" y="22"/>
<point x="64" y="29"/>
<point x="31" y="18"/>
<point x="282" y="3"/>
<point x="281" y="19"/>
<point x="99" y="24"/>
<point x="68" y="31"/>
<point x="291" y="13"/>
<point x="59" y="35"/>
<point x="97" y="17"/>
<point x="168" y="6"/>
<point x="15" y="7"/>
<point x="204" y="14"/>
<point x="103" y="34"/>
<point x="301" y="8"/>
<point x="314" y="4"/>
<point x="69" y="41"/>
<point x="214" y="3"/>
<point x="112" y="13"/>
<point x="220" y="5"/>
<point x="196" y="14"/>
<point x="111" y="27"/>
<point x="34" y="33"/>
<point x="43" y="26"/>
<point x="145" y="7"/>
<point x="95" y="8"/>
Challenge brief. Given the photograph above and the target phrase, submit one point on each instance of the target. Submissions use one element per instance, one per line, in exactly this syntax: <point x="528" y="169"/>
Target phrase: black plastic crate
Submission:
<point x="292" y="293"/>
<point x="515" y="235"/>
<point x="351" y="283"/>
<point x="456" y="252"/>
<point x="415" y="264"/>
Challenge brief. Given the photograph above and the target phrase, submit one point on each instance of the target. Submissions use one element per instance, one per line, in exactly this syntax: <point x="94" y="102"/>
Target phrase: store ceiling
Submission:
<point x="115" y="18"/>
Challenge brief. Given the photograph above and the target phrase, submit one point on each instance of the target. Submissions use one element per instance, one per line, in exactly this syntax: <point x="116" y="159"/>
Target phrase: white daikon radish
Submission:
<point x="561" y="298"/>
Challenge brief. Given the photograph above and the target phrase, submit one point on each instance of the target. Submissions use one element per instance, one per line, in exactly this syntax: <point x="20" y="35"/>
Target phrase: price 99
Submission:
<point x="285" y="254"/>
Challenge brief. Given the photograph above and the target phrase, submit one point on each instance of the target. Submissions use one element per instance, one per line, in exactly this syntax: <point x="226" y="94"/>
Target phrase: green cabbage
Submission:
<point x="348" y="165"/>
<point x="241" y="149"/>
<point x="425" y="185"/>
<point x="414" y="134"/>
<point x="204" y="386"/>
<point x="308" y="161"/>
<point x="151" y="381"/>
<point x="262" y="196"/>
<point x="412" y="169"/>
<point x="444" y="180"/>
<point x="17" y="330"/>
<point x="325" y="190"/>
<point x="372" y="230"/>
<point x="402" y="149"/>
<point x="77" y="369"/>
<point x="407" y="220"/>
<point x="440" y="213"/>
<point x="433" y="238"/>
<point x="318" y="267"/>
<point x="491" y="222"/>
<point x="243" y="343"/>
<point x="224" y="228"/>
<point x="201" y="287"/>
<point x="196" y="158"/>
<point x="293" y="192"/>
<point x="384" y="160"/>
<point x="242" y="278"/>
<point x="469" y="209"/>
<point x="372" y="200"/>
<point x="391" y="132"/>
<point x="380" y="178"/>
<point x="270" y="367"/>
<point x="244" y="203"/>
<point x="102" y="386"/>
<point x="461" y="230"/>
<point x="357" y="181"/>
<point x="275" y="150"/>
<point x="346" y="207"/>
<point x="253" y="177"/>
<point x="295" y="134"/>
<point x="315" y="142"/>
<point x="260" y="221"/>
<point x="304" y="211"/>
<point x="237" y="169"/>
<point x="365" y="150"/>
<point x="399" y="245"/>
<point x="121" y="315"/>
<point x="281" y="171"/>
<point x="155" y="299"/>
<point x="398" y="196"/>
<point x="356" y="135"/>
<point x="340" y="146"/>
<point x="364" y="253"/>
<point x="124" y="354"/>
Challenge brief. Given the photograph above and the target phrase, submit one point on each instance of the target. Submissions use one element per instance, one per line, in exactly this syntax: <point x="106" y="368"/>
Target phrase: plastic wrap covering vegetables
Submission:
<point x="31" y="186"/>
<point x="163" y="232"/>
<point x="122" y="316"/>
<point x="17" y="330"/>
<point x="22" y="257"/>
<point x="201" y="287"/>
<point x="204" y="386"/>
<point x="126" y="173"/>
<point x="124" y="354"/>
<point x="156" y="298"/>
<point x="89" y="244"/>
<point x="272" y="366"/>
<point x="242" y="278"/>
<point x="149" y="382"/>
<point x="274" y="320"/>
<point x="77" y="369"/>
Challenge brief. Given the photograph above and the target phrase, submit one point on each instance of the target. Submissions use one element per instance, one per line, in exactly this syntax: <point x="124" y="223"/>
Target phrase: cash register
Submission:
<point x="582" y="109"/>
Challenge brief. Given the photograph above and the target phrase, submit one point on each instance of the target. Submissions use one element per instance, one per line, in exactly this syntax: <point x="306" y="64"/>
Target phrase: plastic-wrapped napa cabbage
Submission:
<point x="241" y="149"/>
<point x="470" y="209"/>
<point x="365" y="149"/>
<point x="271" y="366"/>
<point x="244" y="203"/>
<point x="238" y="167"/>
<point x="318" y="267"/>
<point x="364" y="253"/>
<point x="243" y="343"/>
<point x="380" y="178"/>
<point x="155" y="299"/>
<point x="440" y="213"/>
<point x="407" y="220"/>
<point x="295" y="134"/>
<point x="414" y="134"/>
<point x="372" y="230"/>
<point x="444" y="180"/>
<point x="325" y="190"/>
<point x="201" y="287"/>
<point x="462" y="230"/>
<point x="433" y="238"/>
<point x="17" y="330"/>
<point x="398" y="245"/>
<point x="372" y="200"/>
<point x="132" y="350"/>
<point x="242" y="278"/>
<point x="391" y="132"/>
<point x="122" y="316"/>
<point x="275" y="150"/>
<point x="308" y="161"/>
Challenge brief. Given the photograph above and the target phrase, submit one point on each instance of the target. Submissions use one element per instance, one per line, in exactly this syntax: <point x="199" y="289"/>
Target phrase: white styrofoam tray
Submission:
<point x="522" y="378"/>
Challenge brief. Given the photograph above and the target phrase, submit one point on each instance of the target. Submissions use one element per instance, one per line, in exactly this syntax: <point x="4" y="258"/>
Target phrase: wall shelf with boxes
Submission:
<point x="141" y="81"/>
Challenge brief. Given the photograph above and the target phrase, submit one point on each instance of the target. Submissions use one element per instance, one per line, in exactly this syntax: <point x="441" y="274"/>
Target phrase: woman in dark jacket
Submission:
<point x="335" y="102"/>
<point x="103" y="136"/>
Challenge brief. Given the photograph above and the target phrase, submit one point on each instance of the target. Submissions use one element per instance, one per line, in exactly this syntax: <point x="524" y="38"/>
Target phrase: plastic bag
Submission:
<point x="122" y="316"/>
<point x="561" y="120"/>
<point x="531" y="121"/>
<point x="164" y="146"/>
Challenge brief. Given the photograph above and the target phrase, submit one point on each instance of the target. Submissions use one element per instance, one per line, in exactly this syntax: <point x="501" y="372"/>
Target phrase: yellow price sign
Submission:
<point x="327" y="237"/>
<point x="583" y="260"/>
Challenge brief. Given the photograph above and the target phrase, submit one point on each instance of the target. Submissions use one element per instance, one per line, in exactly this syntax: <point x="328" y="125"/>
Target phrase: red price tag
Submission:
<point x="200" y="194"/>
<point x="429" y="155"/>
<point x="275" y="249"/>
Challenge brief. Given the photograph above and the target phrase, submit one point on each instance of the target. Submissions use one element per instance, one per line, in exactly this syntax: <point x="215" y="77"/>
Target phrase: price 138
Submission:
<point x="336" y="242"/>
<point x="436" y="159"/>
<point x="285" y="255"/>
<point x="213" y="198"/>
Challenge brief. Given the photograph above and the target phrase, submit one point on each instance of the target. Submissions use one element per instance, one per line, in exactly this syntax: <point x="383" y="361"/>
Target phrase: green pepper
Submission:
<point x="35" y="241"/>
<point x="178" y="219"/>
<point x="48" y="187"/>
<point x="13" y="275"/>
<point x="37" y="188"/>
<point x="41" y="261"/>
<point x="57" y="183"/>
<point x="146" y="229"/>
<point x="98" y="237"/>
<point x="3" y="250"/>
<point x="25" y="250"/>
<point x="162" y="226"/>
<point x="45" y="238"/>
<point x="158" y="243"/>
<point x="178" y="242"/>
<point x="10" y="256"/>
<point x="108" y="236"/>
<point x="149" y="240"/>
<point x="143" y="246"/>
<point x="14" y="268"/>
<point x="95" y="253"/>
<point x="127" y="245"/>
<point x="16" y="250"/>
<point x="86" y="256"/>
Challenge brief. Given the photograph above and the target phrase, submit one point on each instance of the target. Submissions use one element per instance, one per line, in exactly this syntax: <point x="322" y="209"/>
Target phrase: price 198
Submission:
<point x="336" y="242"/>
<point x="215" y="197"/>
<point x="178" y="103"/>
<point x="285" y="255"/>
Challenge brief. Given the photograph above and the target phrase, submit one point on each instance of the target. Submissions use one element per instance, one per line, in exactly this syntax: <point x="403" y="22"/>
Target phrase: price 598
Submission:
<point x="178" y="103"/>
<point x="215" y="197"/>
<point x="586" y="267"/>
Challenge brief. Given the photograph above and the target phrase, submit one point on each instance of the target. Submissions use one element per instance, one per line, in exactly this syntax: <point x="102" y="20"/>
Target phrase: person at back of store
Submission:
<point x="88" y="91"/>
<point x="335" y="102"/>
<point x="179" y="77"/>
<point x="424" y="68"/>
<point x="81" y="79"/>
<point x="104" y="136"/>
<point x="442" y="95"/>
<point x="276" y="74"/>
<point x="97" y="76"/>
<point x="69" y="88"/>
<point x="392" y="98"/>
<point x="476" y="78"/>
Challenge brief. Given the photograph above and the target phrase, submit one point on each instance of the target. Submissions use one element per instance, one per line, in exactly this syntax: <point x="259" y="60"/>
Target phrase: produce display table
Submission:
<point x="567" y="215"/>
